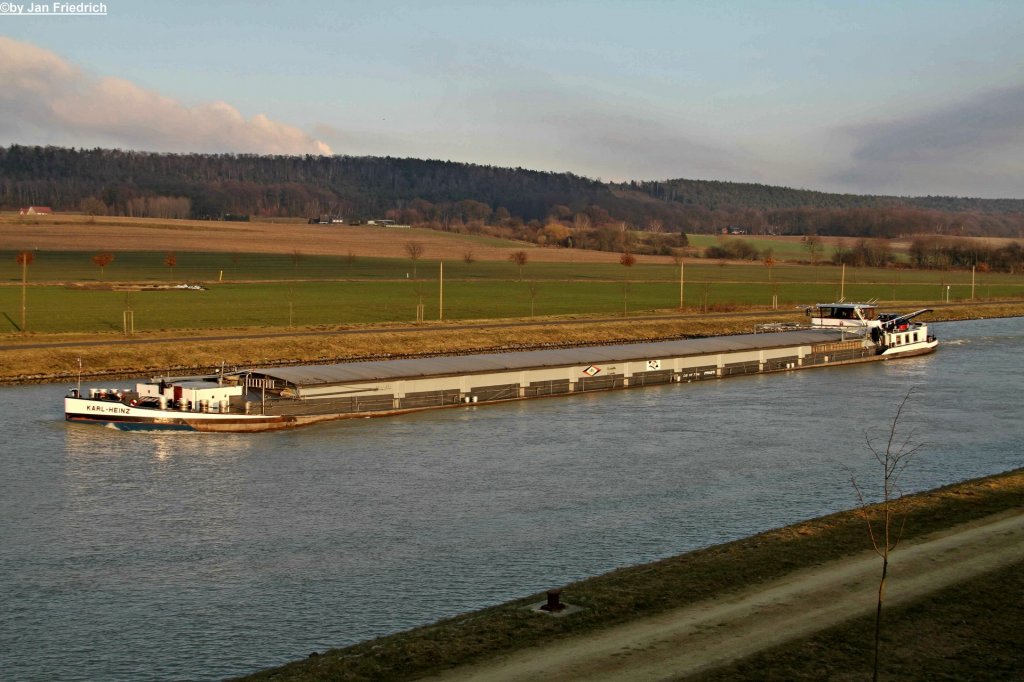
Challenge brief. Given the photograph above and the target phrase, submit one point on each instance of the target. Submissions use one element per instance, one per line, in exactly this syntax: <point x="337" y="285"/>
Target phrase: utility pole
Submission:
<point x="682" y="299"/>
<point x="24" y="285"/>
<point x="440" y="288"/>
<point x="24" y="258"/>
<point x="291" y="306"/>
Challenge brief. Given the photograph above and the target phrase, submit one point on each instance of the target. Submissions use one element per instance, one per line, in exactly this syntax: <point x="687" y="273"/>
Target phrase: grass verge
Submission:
<point x="971" y="631"/>
<point x="657" y="587"/>
<point x="193" y="351"/>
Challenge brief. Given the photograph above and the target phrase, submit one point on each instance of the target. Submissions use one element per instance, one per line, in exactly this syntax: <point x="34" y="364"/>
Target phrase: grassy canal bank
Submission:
<point x="39" y="358"/>
<point x="971" y="631"/>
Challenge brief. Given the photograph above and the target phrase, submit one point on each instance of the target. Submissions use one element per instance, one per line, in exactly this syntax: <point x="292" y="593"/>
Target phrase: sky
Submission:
<point x="897" y="97"/>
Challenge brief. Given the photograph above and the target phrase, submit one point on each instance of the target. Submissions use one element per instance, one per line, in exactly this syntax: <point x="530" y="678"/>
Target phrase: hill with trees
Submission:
<point x="511" y="202"/>
<point x="711" y="194"/>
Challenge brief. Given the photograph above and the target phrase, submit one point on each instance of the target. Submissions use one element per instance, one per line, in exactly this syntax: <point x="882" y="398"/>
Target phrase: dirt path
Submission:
<point x="712" y="633"/>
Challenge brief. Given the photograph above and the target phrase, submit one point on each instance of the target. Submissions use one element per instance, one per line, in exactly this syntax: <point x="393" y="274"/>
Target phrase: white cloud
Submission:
<point x="47" y="100"/>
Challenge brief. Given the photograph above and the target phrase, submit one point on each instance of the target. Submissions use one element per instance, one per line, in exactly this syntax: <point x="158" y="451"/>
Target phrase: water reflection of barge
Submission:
<point x="285" y="397"/>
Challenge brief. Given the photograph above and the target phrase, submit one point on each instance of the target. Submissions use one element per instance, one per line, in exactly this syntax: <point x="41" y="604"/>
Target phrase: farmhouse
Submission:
<point x="36" y="210"/>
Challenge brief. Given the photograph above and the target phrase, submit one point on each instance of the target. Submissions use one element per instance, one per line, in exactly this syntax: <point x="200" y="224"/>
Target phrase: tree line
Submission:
<point x="943" y="253"/>
<point x="714" y="194"/>
<point x="940" y="253"/>
<point x="928" y="252"/>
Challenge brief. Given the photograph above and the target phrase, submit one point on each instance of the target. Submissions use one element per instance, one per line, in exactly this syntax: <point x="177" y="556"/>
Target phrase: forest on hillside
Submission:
<point x="717" y="194"/>
<point x="444" y="195"/>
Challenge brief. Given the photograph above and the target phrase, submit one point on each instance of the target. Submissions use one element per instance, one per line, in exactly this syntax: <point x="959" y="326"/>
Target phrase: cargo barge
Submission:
<point x="266" y="399"/>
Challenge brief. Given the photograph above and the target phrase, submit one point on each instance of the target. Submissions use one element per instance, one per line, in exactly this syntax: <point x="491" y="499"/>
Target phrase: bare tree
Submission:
<point x="886" y="532"/>
<point x="102" y="260"/>
<point x="415" y="251"/>
<point x="769" y="262"/>
<point x="170" y="260"/>
<point x="557" y="233"/>
<point x="812" y="243"/>
<point x="468" y="258"/>
<point x="627" y="260"/>
<point x="520" y="259"/>
<point x="91" y="206"/>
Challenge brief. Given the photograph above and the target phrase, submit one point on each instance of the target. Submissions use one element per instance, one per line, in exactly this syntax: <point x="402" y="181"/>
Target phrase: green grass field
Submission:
<point x="258" y="290"/>
<point x="781" y="250"/>
<point x="143" y="267"/>
<point x="785" y="249"/>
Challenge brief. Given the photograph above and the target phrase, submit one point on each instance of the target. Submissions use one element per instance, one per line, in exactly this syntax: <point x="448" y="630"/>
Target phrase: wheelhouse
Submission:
<point x="844" y="314"/>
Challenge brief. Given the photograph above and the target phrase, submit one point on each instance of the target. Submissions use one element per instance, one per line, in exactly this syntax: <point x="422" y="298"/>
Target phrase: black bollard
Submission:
<point x="554" y="604"/>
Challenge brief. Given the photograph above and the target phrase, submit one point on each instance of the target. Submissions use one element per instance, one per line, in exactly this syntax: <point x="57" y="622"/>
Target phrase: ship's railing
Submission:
<point x="260" y="382"/>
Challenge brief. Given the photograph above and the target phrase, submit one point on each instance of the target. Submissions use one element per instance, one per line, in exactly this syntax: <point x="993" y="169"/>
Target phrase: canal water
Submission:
<point x="134" y="556"/>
